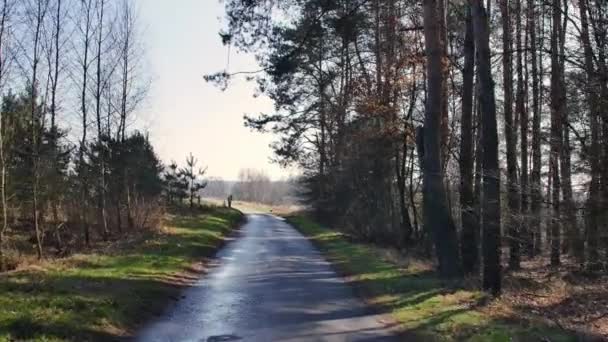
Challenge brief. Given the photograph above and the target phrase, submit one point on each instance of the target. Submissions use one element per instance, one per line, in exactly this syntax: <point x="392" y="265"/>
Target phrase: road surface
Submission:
<point x="270" y="284"/>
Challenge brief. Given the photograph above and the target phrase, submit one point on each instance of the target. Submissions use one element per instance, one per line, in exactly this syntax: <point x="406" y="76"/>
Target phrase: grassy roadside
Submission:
<point x="418" y="302"/>
<point x="104" y="295"/>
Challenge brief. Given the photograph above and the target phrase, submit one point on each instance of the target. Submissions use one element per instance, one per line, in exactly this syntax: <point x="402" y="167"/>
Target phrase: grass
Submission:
<point x="420" y="304"/>
<point x="105" y="295"/>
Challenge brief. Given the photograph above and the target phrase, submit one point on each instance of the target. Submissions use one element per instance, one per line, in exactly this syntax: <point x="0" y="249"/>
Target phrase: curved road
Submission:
<point x="270" y="284"/>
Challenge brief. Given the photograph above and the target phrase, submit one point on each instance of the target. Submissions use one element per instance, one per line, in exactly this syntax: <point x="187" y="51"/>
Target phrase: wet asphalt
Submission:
<point x="269" y="284"/>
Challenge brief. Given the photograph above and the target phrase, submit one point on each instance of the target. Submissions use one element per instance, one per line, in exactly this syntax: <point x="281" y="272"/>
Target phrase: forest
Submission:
<point x="474" y="130"/>
<point x="74" y="167"/>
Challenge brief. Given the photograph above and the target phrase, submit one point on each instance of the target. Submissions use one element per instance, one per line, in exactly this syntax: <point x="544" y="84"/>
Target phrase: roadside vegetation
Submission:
<point x="105" y="293"/>
<point x="423" y="306"/>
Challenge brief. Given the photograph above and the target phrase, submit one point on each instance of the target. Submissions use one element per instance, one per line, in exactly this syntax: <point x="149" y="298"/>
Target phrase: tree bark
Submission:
<point x="511" y="223"/>
<point x="557" y="113"/>
<point x="36" y="123"/>
<point x="535" y="184"/>
<point x="593" y="202"/>
<point x="491" y="174"/>
<point x="437" y="216"/>
<point x="101" y="189"/>
<point x="84" y="112"/>
<point x="524" y="237"/>
<point x="3" y="198"/>
<point x="470" y="229"/>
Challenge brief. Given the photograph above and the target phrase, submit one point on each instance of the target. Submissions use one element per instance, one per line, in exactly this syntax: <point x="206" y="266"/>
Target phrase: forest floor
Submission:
<point x="538" y="304"/>
<point x="107" y="293"/>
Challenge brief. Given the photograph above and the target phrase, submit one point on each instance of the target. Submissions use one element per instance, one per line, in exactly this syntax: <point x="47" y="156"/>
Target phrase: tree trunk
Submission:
<point x="36" y="124"/>
<point x="522" y="113"/>
<point x="83" y="174"/>
<point x="469" y="241"/>
<point x="535" y="186"/>
<point x="3" y="198"/>
<point x="593" y="203"/>
<point x="557" y="113"/>
<point x="511" y="223"/>
<point x="437" y="216"/>
<point x="102" y="155"/>
<point x="491" y="173"/>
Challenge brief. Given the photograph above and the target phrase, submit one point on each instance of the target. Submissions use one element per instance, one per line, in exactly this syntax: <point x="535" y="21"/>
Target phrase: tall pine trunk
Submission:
<point x="535" y="184"/>
<point x="470" y="229"/>
<point x="557" y="113"/>
<point x="491" y="173"/>
<point x="524" y="235"/>
<point x="593" y="203"/>
<point x="510" y="138"/>
<point x="437" y="216"/>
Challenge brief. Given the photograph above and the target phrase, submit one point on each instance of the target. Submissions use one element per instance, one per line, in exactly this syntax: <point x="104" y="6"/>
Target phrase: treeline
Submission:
<point x="255" y="186"/>
<point x="454" y="125"/>
<point x="73" y="169"/>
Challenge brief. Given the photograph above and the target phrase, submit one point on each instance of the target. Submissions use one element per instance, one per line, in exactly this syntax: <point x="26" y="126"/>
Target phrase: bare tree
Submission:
<point x="99" y="85"/>
<point x="133" y="84"/>
<point x="86" y="30"/>
<point x="5" y="13"/>
<point x="36" y="12"/>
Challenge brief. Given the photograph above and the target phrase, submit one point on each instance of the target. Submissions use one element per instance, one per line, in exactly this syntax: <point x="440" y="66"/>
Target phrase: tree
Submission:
<point x="524" y="238"/>
<point x="5" y="13"/>
<point x="511" y="223"/>
<point x="437" y="215"/>
<point x="491" y="175"/>
<point x="99" y="85"/>
<point x="593" y="203"/>
<point x="350" y="83"/>
<point x="535" y="179"/>
<point x="557" y="113"/>
<point x="193" y="177"/>
<point x="37" y="11"/>
<point x="470" y="231"/>
<point x="86" y="31"/>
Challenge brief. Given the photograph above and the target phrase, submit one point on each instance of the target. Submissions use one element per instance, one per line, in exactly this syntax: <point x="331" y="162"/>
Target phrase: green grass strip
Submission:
<point x="422" y="307"/>
<point x="104" y="296"/>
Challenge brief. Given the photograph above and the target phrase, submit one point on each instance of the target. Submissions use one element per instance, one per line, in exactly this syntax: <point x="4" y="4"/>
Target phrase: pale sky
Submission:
<point x="185" y="114"/>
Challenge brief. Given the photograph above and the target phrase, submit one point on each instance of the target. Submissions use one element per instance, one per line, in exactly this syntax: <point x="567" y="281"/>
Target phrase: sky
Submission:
<point x="185" y="114"/>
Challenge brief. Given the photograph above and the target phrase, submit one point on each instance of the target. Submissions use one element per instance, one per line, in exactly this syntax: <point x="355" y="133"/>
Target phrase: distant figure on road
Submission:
<point x="230" y="201"/>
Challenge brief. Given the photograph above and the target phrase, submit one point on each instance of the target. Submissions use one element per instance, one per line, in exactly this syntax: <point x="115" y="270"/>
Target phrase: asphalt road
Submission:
<point x="269" y="284"/>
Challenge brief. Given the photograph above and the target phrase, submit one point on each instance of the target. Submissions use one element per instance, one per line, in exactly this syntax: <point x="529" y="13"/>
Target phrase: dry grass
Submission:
<point x="565" y="296"/>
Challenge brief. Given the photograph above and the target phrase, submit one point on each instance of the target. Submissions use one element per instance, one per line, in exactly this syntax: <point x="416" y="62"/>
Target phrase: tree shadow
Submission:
<point x="426" y="308"/>
<point x="105" y="297"/>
